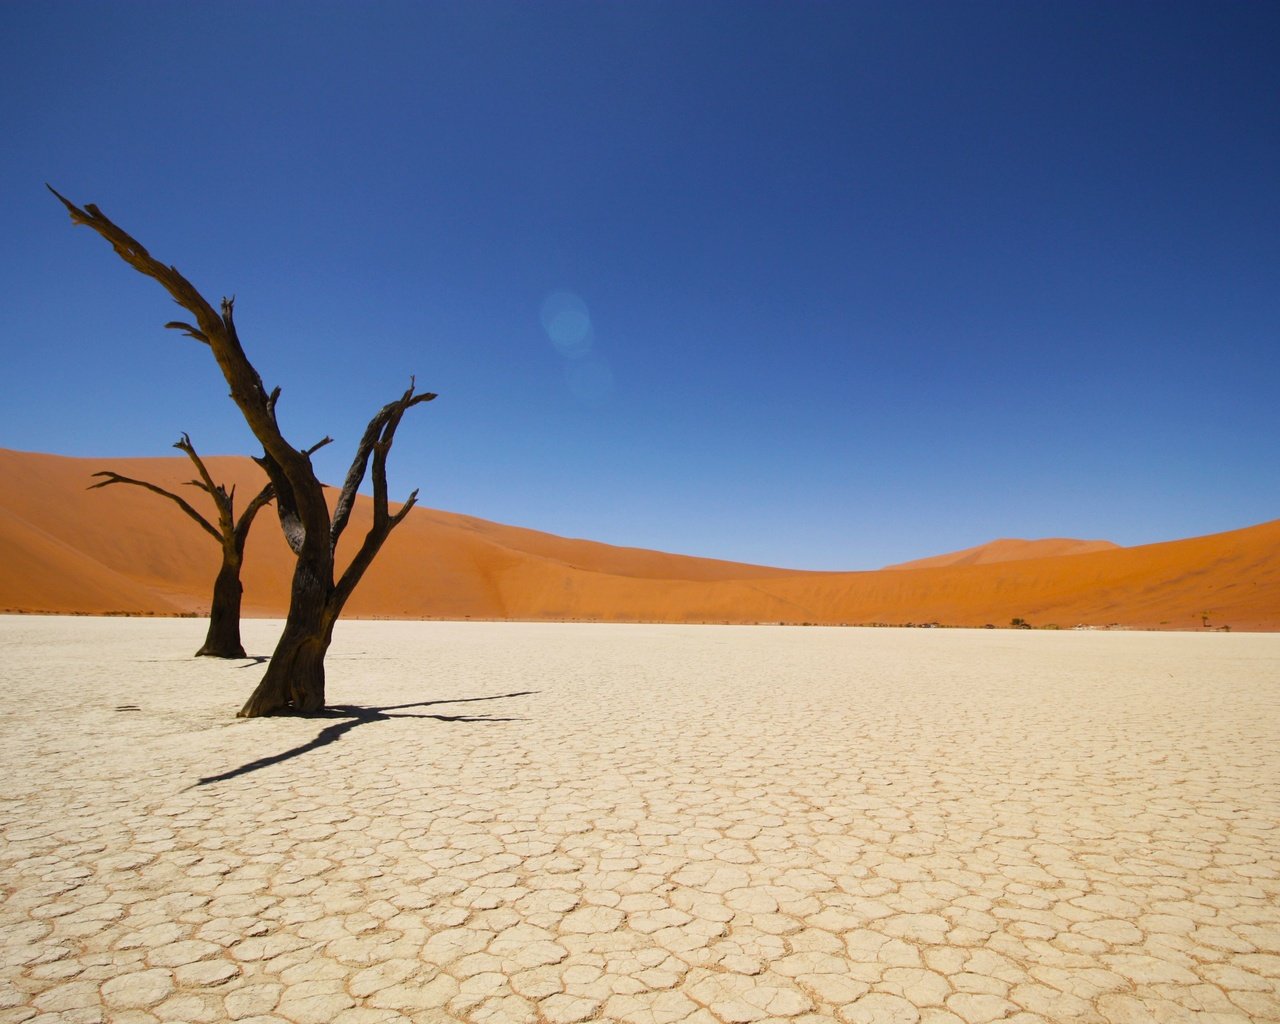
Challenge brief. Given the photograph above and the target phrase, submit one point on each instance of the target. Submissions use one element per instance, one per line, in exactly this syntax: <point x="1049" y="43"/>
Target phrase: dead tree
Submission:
<point x="294" y="681"/>
<point x="223" y="639"/>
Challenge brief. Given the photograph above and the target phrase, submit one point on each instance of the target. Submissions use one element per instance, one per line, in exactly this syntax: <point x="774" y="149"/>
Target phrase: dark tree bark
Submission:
<point x="295" y="677"/>
<point x="294" y="681"/>
<point x="223" y="639"/>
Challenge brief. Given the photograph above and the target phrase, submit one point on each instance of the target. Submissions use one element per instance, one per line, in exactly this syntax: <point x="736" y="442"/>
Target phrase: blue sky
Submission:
<point x="816" y="285"/>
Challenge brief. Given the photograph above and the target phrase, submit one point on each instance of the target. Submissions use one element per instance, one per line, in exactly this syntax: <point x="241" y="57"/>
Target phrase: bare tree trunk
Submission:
<point x="223" y="638"/>
<point x="294" y="680"/>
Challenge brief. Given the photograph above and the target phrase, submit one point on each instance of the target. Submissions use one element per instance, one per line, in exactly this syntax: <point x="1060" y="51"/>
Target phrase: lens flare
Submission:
<point x="567" y="322"/>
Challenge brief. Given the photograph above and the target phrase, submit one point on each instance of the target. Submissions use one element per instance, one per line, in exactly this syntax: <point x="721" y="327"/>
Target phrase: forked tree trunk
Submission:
<point x="295" y="679"/>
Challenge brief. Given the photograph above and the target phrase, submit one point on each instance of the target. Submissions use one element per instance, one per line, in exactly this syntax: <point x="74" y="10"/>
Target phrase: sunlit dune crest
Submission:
<point x="66" y="549"/>
<point x="1009" y="549"/>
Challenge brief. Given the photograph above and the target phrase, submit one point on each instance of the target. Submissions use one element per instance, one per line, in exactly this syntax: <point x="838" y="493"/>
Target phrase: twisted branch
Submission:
<point x="116" y="478"/>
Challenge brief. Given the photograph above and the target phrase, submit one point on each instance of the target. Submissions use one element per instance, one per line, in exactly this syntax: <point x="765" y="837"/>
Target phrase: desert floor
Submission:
<point x="512" y="822"/>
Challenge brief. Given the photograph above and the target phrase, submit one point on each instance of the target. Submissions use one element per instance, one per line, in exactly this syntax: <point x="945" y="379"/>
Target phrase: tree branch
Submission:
<point x="133" y="253"/>
<point x="217" y="492"/>
<point x="241" y="532"/>
<point x="383" y="427"/>
<point x="218" y="331"/>
<point x="116" y="478"/>
<point x="376" y="441"/>
<point x="347" y="496"/>
<point x="188" y="330"/>
<point x="396" y="519"/>
<point x="291" y="522"/>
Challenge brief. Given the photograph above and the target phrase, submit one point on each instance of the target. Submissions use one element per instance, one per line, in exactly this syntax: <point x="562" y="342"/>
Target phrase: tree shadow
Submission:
<point x="250" y="660"/>
<point x="353" y="715"/>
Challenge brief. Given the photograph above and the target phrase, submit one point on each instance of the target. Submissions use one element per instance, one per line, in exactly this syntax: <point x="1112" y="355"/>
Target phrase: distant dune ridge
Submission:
<point x="1009" y="549"/>
<point x="122" y="550"/>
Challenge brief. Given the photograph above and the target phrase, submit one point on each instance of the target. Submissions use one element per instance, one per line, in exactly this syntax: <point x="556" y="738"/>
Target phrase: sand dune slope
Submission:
<point x="121" y="549"/>
<point x="1009" y="549"/>
<point x="42" y="572"/>
<point x="437" y="563"/>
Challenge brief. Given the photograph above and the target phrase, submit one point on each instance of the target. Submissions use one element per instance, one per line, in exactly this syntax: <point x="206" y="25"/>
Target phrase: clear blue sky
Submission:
<point x="817" y="285"/>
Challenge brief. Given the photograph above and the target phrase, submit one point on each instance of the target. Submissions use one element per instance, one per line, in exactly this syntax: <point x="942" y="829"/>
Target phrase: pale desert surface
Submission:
<point x="66" y="549"/>
<point x="556" y="822"/>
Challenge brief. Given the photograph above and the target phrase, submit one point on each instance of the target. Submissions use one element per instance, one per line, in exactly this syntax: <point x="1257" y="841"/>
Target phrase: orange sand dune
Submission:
<point x="1009" y="549"/>
<point x="66" y="549"/>
<point x="141" y="540"/>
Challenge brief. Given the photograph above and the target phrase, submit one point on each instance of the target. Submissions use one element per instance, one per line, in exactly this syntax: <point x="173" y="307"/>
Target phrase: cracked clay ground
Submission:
<point x="642" y="823"/>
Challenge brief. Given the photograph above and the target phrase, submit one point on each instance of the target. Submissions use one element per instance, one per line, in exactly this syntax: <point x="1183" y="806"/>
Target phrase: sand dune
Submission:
<point x="67" y="549"/>
<point x="1009" y="549"/>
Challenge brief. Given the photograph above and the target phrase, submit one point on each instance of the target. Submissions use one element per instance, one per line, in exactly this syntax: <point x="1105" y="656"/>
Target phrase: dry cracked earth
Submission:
<point x="560" y="823"/>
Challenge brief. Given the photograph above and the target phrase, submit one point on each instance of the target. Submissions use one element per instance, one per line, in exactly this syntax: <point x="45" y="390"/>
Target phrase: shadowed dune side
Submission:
<point x="133" y="548"/>
<point x="41" y="572"/>
<point x="121" y="549"/>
